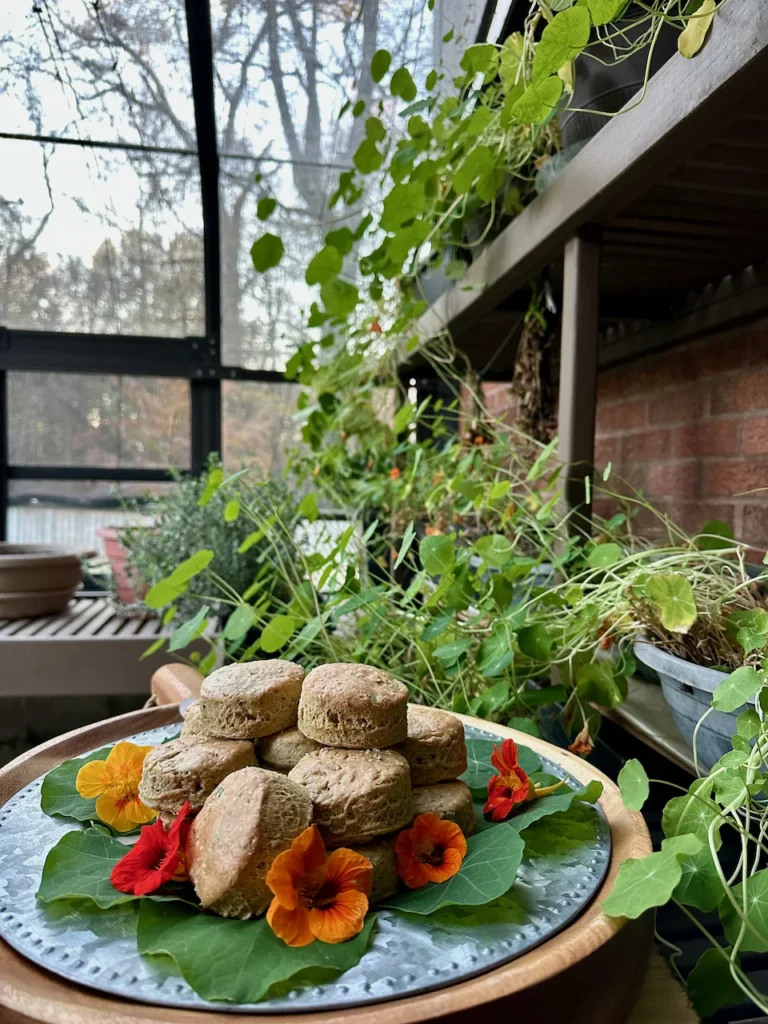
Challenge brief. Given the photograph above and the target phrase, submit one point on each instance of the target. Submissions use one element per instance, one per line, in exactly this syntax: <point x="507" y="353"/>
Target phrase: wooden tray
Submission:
<point x="591" y="972"/>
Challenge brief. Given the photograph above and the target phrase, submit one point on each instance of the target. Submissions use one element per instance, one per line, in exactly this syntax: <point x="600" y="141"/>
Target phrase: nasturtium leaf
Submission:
<point x="647" y="882"/>
<point x="308" y="507"/>
<point x="380" y="64"/>
<point x="277" y="632"/>
<point x="603" y="555"/>
<point x="189" y="630"/>
<point x="227" y="960"/>
<point x="510" y="58"/>
<point x="524" y="725"/>
<point x="699" y="884"/>
<point x="754" y="941"/>
<point x="239" y="622"/>
<point x="498" y="490"/>
<point x="437" y="554"/>
<point x="266" y="252"/>
<point x="633" y="783"/>
<point x="671" y="598"/>
<point x="539" y="101"/>
<point x="713" y="535"/>
<point x="692" y="814"/>
<point x="748" y="724"/>
<point x="341" y="239"/>
<point x="231" y="510"/>
<point x="191" y="566"/>
<point x="163" y="593"/>
<point x="374" y="129"/>
<point x="78" y="868"/>
<point x="213" y="482"/>
<point x="405" y="201"/>
<point x="740" y="686"/>
<point x="480" y="769"/>
<point x="495" y="654"/>
<point x="481" y="59"/>
<point x="339" y="297"/>
<point x="752" y="629"/>
<point x="557" y="835"/>
<point x="403" y="85"/>
<point x="535" y="641"/>
<point x="711" y="984"/>
<point x="487" y="872"/>
<point x="431" y="80"/>
<point x="599" y="683"/>
<point x="358" y="108"/>
<point x="562" y="40"/>
<point x="556" y="803"/>
<point x="323" y="266"/>
<point x="692" y="38"/>
<point x="603" y="11"/>
<point x="494" y="549"/>
<point x="436" y="627"/>
<point x="450" y="653"/>
<point x="477" y="162"/>
<point x="405" y="546"/>
<point x="367" y="157"/>
<point x="58" y="796"/>
<point x="265" y="207"/>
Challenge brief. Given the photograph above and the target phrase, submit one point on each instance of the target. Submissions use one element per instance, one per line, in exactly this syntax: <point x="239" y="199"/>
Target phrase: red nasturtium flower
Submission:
<point x="583" y="744"/>
<point x="511" y="786"/>
<point x="157" y="857"/>
<point x="394" y="473"/>
<point x="431" y="850"/>
<point x="318" y="896"/>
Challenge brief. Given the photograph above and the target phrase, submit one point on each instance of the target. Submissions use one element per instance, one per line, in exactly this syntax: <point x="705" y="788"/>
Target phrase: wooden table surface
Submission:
<point x="590" y="973"/>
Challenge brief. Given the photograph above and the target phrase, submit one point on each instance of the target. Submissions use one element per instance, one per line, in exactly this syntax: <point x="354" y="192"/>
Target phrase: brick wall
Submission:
<point x="689" y="428"/>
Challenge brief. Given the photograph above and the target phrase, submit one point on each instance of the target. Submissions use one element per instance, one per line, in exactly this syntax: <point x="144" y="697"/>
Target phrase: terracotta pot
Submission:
<point x="36" y="580"/>
<point x="126" y="590"/>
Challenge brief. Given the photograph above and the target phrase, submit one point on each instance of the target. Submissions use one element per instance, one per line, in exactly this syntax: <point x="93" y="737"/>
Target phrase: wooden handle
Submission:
<point x="174" y="683"/>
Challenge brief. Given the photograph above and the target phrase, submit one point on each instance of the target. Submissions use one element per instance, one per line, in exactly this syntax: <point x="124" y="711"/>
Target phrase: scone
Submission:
<point x="247" y="821"/>
<point x="192" y="725"/>
<point x="381" y="853"/>
<point x="285" y="749"/>
<point x="189" y="768"/>
<point x="435" y="747"/>
<point x="356" y="794"/>
<point x="250" y="700"/>
<point x="353" y="706"/>
<point x="449" y="800"/>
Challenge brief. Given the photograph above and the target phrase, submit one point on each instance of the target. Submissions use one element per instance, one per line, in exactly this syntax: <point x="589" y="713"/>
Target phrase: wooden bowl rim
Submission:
<point x="30" y="990"/>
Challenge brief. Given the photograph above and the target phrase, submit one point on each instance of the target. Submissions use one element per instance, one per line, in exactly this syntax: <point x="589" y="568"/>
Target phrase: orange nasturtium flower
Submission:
<point x="394" y="473"/>
<point x="511" y="786"/>
<point x="318" y="896"/>
<point x="114" y="784"/>
<point x="431" y="850"/>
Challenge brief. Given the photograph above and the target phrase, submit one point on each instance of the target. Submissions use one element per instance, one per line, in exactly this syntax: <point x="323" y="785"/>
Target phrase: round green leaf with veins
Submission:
<point x="538" y="102"/>
<point x="633" y="783"/>
<point x="266" y="252"/>
<point x="563" y="39"/>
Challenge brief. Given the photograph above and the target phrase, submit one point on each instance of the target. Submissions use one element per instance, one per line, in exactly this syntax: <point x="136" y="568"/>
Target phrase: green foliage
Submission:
<point x="265" y="208"/>
<point x="650" y="881"/>
<point x="711" y="984"/>
<point x="488" y="871"/>
<point x="226" y="960"/>
<point x="266" y="252"/>
<point x="563" y="39"/>
<point x="737" y="689"/>
<point x="671" y="598"/>
<point x="380" y="64"/>
<point x="633" y="783"/>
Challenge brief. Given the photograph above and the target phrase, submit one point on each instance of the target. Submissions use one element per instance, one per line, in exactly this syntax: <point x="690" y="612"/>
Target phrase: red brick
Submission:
<point x="684" y="404"/>
<point x="674" y="480"/>
<point x="711" y="437"/>
<point x="737" y="476"/>
<point x="717" y="354"/>
<point x="740" y="392"/>
<point x="651" y="444"/>
<point x="692" y="515"/>
<point x="607" y="450"/>
<point x="755" y="435"/>
<point x="622" y="416"/>
<point x="755" y="524"/>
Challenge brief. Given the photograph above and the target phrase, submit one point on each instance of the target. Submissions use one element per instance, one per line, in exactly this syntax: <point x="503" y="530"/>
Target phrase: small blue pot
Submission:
<point x="688" y="690"/>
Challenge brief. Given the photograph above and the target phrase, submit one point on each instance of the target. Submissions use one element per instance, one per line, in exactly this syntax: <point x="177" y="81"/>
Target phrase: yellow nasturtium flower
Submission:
<point x="114" y="784"/>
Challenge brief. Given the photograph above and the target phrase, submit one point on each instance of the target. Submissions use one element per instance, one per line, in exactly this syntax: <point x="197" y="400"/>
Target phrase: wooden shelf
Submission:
<point x="675" y="188"/>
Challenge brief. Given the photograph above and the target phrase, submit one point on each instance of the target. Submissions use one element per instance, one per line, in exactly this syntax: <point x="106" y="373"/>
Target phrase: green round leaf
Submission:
<point x="603" y="555"/>
<point x="380" y="64"/>
<point x="437" y="554"/>
<point x="403" y="85"/>
<point x="339" y="297"/>
<point x="231" y="510"/>
<point x="737" y="689"/>
<point x="562" y="40"/>
<point x="323" y="266"/>
<point x="266" y="207"/>
<point x="266" y="252"/>
<point x="538" y="102"/>
<point x="535" y="642"/>
<point x="367" y="157"/>
<point x="672" y="600"/>
<point x="633" y="783"/>
<point x="277" y="633"/>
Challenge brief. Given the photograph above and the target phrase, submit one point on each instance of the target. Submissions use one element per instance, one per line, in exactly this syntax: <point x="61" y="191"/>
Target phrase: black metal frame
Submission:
<point x="196" y="359"/>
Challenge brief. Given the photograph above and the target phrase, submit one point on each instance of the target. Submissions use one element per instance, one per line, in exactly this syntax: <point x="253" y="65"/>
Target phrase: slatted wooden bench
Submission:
<point x="91" y="648"/>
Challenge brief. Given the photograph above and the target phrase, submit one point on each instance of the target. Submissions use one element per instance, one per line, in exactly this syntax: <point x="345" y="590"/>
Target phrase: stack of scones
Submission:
<point x="266" y="752"/>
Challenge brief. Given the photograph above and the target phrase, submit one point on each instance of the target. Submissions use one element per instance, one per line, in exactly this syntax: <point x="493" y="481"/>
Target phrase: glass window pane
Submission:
<point x="97" y="420"/>
<point x="257" y="427"/>
<point x="68" y="513"/>
<point x="116" y="71"/>
<point x="100" y="241"/>
<point x="283" y="74"/>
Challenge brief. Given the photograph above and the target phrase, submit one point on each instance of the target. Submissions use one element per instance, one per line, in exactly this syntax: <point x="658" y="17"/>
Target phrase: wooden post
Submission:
<point x="578" y="372"/>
